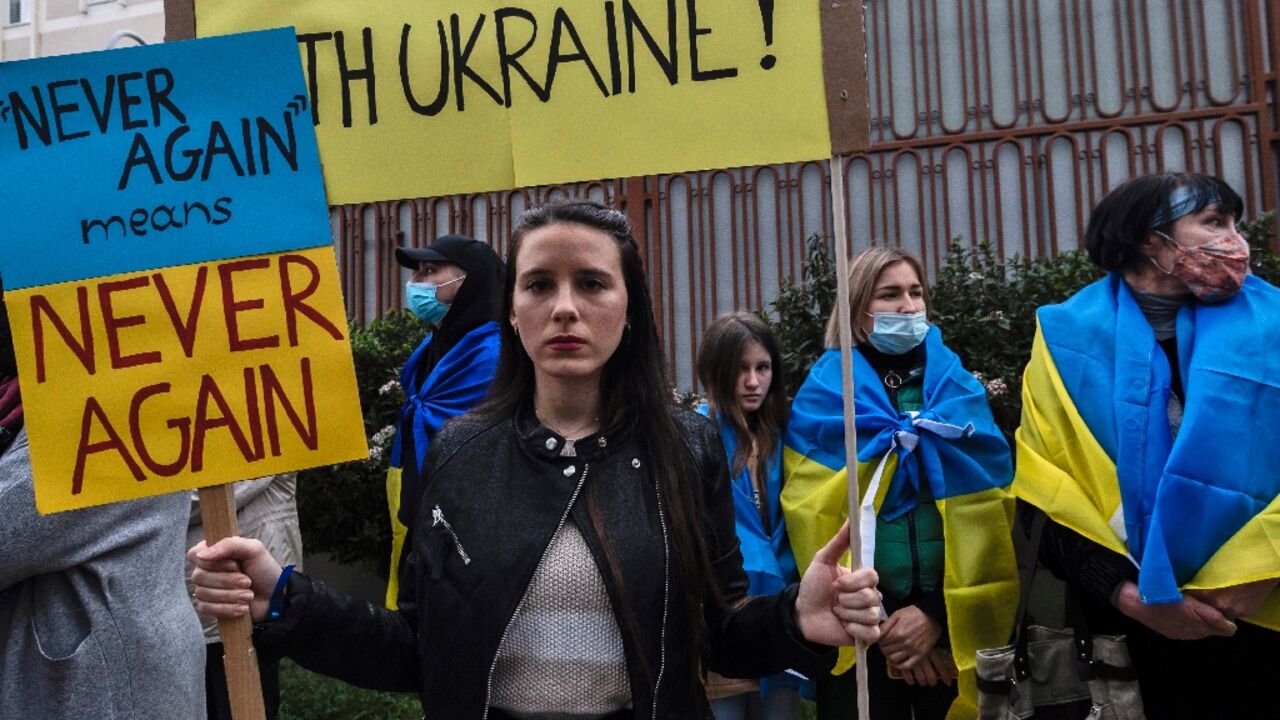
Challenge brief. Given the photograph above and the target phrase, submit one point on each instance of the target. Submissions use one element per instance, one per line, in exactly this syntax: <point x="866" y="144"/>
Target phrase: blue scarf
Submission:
<point x="1182" y="498"/>
<point x="458" y="382"/>
<point x="766" y="557"/>
<point x="955" y="437"/>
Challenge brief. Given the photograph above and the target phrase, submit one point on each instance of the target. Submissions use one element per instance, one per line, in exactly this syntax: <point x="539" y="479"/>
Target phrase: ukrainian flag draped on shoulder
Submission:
<point x="459" y="381"/>
<point x="766" y="553"/>
<point x="953" y="445"/>
<point x="1096" y="452"/>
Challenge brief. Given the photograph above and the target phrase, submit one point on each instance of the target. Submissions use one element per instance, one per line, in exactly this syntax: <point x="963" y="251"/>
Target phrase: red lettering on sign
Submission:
<point x="92" y="410"/>
<point x="204" y="423"/>
<point x="255" y="419"/>
<point x="186" y="330"/>
<point x="272" y="391"/>
<point x="293" y="302"/>
<point x="82" y="349"/>
<point x="182" y="425"/>
<point x="114" y="324"/>
<point x="231" y="307"/>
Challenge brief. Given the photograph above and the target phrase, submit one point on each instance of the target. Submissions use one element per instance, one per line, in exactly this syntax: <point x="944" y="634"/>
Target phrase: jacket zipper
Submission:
<point x="437" y="518"/>
<point x="666" y="600"/>
<point x="488" y="688"/>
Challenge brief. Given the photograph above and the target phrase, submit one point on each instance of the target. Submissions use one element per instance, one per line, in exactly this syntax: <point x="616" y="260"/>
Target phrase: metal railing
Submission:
<point x="998" y="120"/>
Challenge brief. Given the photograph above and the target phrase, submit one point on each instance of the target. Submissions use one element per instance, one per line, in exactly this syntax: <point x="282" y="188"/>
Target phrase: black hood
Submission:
<point x="478" y="301"/>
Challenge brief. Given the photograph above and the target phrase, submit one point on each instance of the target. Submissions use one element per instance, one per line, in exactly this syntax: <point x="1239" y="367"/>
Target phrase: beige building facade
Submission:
<point x="39" y="28"/>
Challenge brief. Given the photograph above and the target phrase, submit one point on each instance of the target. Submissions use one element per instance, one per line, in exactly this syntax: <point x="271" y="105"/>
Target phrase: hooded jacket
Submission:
<point x="448" y="374"/>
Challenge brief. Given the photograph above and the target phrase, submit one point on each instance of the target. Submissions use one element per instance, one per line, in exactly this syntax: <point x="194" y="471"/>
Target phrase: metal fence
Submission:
<point x="997" y="120"/>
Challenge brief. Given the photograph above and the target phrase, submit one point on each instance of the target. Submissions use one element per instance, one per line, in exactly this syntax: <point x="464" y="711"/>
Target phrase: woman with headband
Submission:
<point x="1147" y="410"/>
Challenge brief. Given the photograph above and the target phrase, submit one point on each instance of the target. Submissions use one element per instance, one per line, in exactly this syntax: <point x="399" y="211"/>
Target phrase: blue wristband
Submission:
<point x="276" y="606"/>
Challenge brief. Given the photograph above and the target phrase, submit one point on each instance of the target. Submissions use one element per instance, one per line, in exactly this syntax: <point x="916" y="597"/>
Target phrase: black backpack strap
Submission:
<point x="1026" y="576"/>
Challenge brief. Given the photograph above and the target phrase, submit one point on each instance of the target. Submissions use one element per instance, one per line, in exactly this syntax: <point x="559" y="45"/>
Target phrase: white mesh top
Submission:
<point x="562" y="657"/>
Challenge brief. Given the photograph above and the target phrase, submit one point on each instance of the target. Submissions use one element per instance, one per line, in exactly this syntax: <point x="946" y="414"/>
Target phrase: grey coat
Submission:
<point x="94" y="616"/>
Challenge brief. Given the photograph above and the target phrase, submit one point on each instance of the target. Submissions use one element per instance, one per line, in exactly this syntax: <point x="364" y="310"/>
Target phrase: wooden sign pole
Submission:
<point x="218" y="503"/>
<point x="840" y="226"/>
<point x="844" y="52"/>
<point x="239" y="661"/>
<point x="179" y="20"/>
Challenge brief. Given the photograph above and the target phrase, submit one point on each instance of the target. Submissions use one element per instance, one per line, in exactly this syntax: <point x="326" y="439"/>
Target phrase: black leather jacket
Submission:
<point x="498" y="494"/>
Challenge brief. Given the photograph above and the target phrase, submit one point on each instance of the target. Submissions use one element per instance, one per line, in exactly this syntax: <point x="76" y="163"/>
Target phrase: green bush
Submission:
<point x="802" y="310"/>
<point x="1260" y="232"/>
<point x="986" y="310"/>
<point x="343" y="508"/>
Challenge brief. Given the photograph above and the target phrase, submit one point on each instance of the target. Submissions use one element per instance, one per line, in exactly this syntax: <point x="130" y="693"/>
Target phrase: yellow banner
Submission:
<point x="152" y="382"/>
<point x="425" y="97"/>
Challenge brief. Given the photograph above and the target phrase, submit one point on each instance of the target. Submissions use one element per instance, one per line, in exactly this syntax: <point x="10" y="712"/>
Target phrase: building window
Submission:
<point x="14" y="15"/>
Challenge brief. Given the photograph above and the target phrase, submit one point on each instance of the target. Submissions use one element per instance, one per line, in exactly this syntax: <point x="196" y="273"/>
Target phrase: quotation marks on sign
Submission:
<point x="298" y="104"/>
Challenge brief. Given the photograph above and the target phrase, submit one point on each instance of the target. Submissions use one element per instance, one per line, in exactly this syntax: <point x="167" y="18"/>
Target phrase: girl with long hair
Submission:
<point x="576" y="555"/>
<point x="741" y="372"/>
<point x="933" y="471"/>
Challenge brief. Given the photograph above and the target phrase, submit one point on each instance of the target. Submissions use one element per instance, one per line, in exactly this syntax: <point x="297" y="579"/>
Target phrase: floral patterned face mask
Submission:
<point x="1214" y="271"/>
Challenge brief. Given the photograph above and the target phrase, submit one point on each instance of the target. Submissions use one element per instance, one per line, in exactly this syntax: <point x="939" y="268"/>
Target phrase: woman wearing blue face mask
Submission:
<point x="456" y="288"/>
<point x="934" y="470"/>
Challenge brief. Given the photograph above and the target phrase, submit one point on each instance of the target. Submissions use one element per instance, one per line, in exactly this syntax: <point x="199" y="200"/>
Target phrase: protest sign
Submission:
<point x="169" y="273"/>
<point x="431" y="97"/>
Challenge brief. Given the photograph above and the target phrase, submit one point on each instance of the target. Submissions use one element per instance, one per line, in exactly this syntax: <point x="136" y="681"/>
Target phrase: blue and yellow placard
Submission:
<point x="169" y="274"/>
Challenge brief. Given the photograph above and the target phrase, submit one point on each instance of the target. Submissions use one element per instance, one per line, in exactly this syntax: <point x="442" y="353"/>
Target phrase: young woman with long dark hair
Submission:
<point x="741" y="372"/>
<point x="576" y="554"/>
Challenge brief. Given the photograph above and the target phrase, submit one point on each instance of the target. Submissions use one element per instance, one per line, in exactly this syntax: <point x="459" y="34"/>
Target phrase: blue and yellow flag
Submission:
<point x="1095" y="451"/>
<point x="766" y="552"/>
<point x="965" y="462"/>
<point x="457" y="383"/>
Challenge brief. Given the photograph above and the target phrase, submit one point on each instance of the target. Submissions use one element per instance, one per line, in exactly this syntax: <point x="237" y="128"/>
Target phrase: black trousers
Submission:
<point x="218" y="701"/>
<point x="890" y="699"/>
<point x="1217" y="677"/>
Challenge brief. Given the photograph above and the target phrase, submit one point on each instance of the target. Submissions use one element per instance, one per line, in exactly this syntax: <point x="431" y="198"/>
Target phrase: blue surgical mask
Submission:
<point x="897" y="333"/>
<point x="422" y="300"/>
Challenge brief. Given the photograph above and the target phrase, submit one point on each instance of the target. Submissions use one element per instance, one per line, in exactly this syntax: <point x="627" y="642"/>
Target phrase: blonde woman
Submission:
<point x="934" y="471"/>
